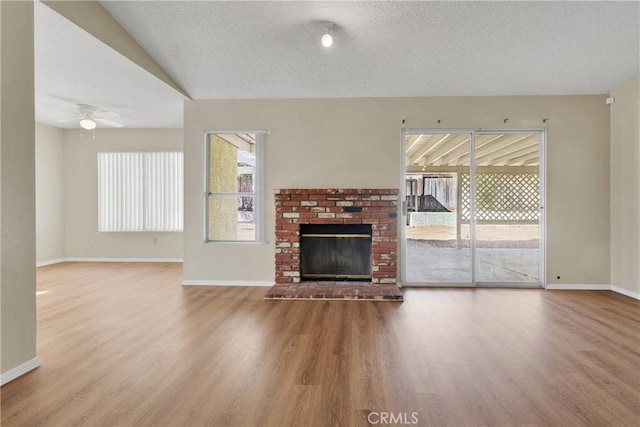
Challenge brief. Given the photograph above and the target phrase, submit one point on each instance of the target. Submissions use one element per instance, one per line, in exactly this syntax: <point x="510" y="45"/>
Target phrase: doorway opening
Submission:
<point x="473" y="207"/>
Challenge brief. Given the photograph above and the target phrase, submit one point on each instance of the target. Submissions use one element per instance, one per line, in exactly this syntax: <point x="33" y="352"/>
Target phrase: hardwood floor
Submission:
<point x="126" y="345"/>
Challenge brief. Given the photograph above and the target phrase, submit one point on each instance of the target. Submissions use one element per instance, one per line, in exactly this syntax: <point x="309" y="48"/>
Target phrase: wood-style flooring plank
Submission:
<point x="127" y="345"/>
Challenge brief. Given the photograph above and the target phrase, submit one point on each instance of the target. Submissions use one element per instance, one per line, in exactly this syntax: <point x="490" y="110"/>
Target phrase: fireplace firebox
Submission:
<point x="335" y="252"/>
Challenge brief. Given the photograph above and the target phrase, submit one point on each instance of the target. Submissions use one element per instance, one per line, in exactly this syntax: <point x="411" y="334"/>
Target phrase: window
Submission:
<point x="140" y="191"/>
<point x="234" y="186"/>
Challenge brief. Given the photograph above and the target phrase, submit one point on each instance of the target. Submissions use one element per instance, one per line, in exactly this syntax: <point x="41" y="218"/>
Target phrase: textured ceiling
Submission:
<point x="271" y="49"/>
<point x="238" y="49"/>
<point x="72" y="67"/>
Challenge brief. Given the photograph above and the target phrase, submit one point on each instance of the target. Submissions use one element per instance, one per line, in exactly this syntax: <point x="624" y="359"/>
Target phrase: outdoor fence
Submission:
<point x="501" y="198"/>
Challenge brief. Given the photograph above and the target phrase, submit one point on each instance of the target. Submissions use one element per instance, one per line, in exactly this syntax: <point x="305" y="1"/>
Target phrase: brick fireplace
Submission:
<point x="376" y="207"/>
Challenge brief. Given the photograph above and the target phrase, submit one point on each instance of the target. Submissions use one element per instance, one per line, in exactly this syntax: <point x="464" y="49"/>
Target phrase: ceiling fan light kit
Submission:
<point x="89" y="116"/>
<point x="87" y="123"/>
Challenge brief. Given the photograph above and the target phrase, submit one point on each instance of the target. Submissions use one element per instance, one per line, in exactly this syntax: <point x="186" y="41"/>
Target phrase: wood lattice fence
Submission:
<point x="501" y="198"/>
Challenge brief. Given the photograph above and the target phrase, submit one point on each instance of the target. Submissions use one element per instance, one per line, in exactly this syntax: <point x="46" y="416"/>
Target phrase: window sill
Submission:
<point x="243" y="242"/>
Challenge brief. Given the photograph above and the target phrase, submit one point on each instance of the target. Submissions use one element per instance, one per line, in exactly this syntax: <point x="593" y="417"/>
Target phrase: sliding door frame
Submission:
<point x="542" y="137"/>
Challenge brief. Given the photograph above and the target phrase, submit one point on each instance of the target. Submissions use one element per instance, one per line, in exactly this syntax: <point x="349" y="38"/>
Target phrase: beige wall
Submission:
<point x="625" y="188"/>
<point x="82" y="239"/>
<point x="49" y="193"/>
<point x="17" y="186"/>
<point x="341" y="143"/>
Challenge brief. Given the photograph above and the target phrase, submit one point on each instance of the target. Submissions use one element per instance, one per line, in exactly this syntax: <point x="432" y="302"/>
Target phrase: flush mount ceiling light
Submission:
<point x="87" y="123"/>
<point x="327" y="37"/>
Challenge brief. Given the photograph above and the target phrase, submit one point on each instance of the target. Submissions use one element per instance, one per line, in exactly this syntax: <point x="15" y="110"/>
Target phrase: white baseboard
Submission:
<point x="226" y="283"/>
<point x="573" y="287"/>
<point x="50" y="262"/>
<point x="19" y="370"/>
<point x="73" y="259"/>
<point x="626" y="292"/>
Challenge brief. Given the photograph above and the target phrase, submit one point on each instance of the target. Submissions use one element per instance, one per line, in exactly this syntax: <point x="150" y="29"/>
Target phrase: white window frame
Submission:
<point x="258" y="194"/>
<point x="143" y="195"/>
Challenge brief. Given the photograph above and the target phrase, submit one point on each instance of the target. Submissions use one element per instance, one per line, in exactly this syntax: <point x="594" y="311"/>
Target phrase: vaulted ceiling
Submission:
<point x="235" y="49"/>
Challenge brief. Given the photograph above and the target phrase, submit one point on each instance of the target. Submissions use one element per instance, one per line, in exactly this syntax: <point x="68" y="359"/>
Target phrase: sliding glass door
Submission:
<point x="507" y="208"/>
<point x="472" y="208"/>
<point x="438" y="245"/>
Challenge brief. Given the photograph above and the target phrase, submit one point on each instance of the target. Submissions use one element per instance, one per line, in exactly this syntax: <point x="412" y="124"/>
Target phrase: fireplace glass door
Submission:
<point x="335" y="252"/>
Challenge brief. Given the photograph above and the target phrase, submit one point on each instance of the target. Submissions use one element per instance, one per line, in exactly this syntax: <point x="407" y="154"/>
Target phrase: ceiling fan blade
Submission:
<point x="107" y="114"/>
<point x="86" y="108"/>
<point x="68" y="120"/>
<point x="57" y="107"/>
<point x="108" y="122"/>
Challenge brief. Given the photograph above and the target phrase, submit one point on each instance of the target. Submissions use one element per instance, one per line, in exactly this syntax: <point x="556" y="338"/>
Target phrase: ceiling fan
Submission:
<point x="89" y="117"/>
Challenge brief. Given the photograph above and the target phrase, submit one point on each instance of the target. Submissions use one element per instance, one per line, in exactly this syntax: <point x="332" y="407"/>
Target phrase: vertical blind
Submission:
<point x="140" y="191"/>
